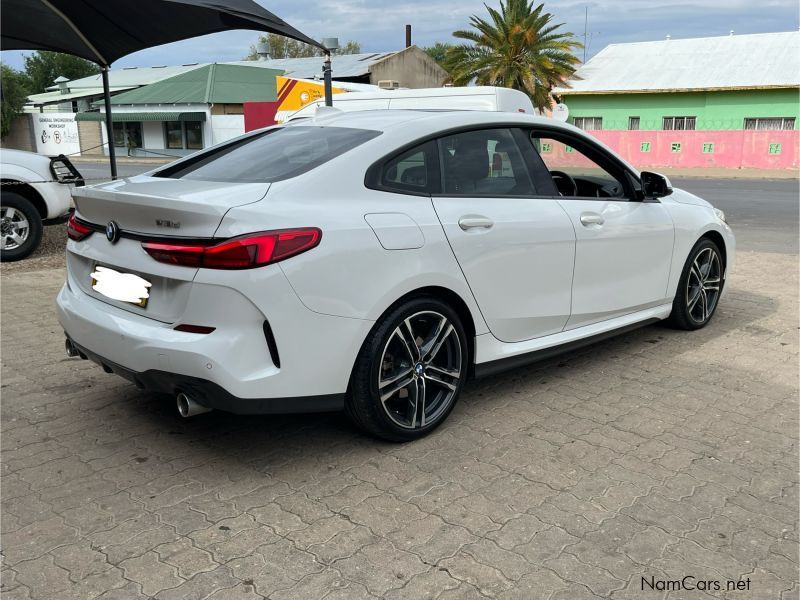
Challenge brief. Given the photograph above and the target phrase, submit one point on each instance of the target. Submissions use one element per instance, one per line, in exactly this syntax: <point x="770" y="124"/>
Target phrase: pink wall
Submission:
<point x="734" y="149"/>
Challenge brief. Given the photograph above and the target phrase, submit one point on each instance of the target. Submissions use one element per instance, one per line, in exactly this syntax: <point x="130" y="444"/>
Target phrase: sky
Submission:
<point x="379" y="24"/>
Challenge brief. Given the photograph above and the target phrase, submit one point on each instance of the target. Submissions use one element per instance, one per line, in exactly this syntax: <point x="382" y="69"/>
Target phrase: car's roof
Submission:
<point x="389" y="119"/>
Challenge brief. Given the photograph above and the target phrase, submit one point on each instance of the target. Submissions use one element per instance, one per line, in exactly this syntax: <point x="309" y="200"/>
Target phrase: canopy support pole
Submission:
<point x="112" y="156"/>
<point x="326" y="75"/>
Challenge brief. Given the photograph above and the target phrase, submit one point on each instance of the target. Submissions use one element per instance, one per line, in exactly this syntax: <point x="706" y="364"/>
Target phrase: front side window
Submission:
<point x="483" y="163"/>
<point x="578" y="171"/>
<point x="271" y="155"/>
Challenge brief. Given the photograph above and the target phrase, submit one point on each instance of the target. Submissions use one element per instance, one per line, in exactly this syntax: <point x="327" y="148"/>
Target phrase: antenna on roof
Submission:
<point x="669" y="37"/>
<point x="731" y="32"/>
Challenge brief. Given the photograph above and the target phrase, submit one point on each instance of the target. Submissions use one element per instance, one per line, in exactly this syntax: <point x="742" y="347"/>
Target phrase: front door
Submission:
<point x="624" y="245"/>
<point x="516" y="250"/>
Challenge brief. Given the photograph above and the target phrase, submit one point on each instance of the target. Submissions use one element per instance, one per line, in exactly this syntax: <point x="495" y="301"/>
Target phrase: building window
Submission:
<point x="547" y="147"/>
<point x="569" y="149"/>
<point x="128" y="134"/>
<point x="644" y="147"/>
<point x="633" y="123"/>
<point x="708" y="148"/>
<point x="676" y="147"/>
<point x="769" y="123"/>
<point x="194" y="135"/>
<point x="589" y="123"/>
<point x="774" y="149"/>
<point x="174" y="135"/>
<point x="186" y="135"/>
<point x="678" y="123"/>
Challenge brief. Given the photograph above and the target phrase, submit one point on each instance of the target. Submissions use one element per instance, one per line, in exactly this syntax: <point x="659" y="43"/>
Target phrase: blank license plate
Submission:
<point x="124" y="287"/>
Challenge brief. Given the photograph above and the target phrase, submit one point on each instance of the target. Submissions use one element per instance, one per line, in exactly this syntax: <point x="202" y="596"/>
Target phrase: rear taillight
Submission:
<point x="244" y="252"/>
<point x="77" y="231"/>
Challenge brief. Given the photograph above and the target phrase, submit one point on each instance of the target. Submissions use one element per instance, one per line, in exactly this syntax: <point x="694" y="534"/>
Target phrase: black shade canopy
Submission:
<point x="105" y="30"/>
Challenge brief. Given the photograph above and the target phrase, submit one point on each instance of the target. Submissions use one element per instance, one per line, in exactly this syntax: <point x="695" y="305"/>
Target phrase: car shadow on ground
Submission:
<point x="317" y="442"/>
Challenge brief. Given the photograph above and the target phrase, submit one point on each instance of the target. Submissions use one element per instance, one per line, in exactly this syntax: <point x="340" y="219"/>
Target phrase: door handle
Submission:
<point x="475" y="222"/>
<point x="590" y="218"/>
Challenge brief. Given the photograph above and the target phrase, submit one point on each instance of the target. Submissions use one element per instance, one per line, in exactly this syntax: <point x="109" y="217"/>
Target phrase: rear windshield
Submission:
<point x="271" y="155"/>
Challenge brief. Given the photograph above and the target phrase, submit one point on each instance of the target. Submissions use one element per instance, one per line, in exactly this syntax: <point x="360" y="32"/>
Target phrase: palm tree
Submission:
<point x="519" y="48"/>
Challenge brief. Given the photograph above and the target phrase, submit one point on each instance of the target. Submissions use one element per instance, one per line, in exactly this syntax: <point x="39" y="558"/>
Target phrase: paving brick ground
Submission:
<point x="657" y="455"/>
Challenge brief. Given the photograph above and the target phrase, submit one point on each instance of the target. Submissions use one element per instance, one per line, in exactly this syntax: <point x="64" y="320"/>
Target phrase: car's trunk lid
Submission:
<point x="150" y="207"/>
<point x="160" y="206"/>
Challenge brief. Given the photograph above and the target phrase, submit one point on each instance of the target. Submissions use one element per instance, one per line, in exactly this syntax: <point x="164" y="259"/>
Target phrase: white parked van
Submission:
<point x="489" y="98"/>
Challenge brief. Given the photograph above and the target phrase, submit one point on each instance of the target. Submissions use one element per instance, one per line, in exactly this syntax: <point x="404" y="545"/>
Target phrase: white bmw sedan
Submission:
<point x="375" y="261"/>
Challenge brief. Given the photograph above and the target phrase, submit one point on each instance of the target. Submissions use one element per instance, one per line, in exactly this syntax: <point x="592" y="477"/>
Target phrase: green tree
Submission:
<point x="438" y="52"/>
<point x="519" y="47"/>
<point x="13" y="94"/>
<point x="44" y="67"/>
<point x="282" y="47"/>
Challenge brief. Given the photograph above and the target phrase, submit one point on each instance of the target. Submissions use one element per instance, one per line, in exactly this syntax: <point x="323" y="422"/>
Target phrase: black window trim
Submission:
<point x="632" y="181"/>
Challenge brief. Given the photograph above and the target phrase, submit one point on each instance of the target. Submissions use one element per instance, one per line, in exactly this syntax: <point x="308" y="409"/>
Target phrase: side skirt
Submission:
<point x="519" y="360"/>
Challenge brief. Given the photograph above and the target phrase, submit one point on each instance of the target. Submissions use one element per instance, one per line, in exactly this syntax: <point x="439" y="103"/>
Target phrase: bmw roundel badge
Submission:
<point x="112" y="232"/>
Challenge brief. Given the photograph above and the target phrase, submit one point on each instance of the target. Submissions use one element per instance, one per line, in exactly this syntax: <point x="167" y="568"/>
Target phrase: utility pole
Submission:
<point x="585" y="32"/>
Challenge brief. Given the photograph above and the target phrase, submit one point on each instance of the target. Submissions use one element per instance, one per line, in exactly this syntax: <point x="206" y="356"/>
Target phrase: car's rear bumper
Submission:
<point x="209" y="394"/>
<point x="233" y="368"/>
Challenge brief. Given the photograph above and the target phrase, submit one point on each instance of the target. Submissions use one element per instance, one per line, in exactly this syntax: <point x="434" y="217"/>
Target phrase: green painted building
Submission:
<point x="721" y="83"/>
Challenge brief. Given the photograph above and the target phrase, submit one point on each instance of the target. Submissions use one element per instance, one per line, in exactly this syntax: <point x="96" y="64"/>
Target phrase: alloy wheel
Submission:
<point x="703" y="285"/>
<point x="420" y="370"/>
<point x="14" y="228"/>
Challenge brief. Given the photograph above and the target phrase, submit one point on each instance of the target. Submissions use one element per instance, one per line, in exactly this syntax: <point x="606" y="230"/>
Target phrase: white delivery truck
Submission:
<point x="488" y="98"/>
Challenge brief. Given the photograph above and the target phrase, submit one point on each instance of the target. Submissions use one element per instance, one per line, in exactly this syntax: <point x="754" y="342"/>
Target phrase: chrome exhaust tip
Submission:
<point x="72" y="351"/>
<point x="188" y="407"/>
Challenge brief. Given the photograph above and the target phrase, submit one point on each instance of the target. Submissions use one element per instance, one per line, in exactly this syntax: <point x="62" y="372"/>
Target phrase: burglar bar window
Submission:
<point x="678" y="123"/>
<point x="633" y="123"/>
<point x="769" y="123"/>
<point x="595" y="123"/>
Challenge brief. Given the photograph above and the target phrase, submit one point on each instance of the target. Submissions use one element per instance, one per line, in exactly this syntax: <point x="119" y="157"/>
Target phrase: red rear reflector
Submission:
<point x="244" y="252"/>
<point x="194" y="328"/>
<point x="77" y="231"/>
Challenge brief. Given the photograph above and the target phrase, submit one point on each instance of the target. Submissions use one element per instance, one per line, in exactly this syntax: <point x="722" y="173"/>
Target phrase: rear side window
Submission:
<point x="415" y="171"/>
<point x="272" y="155"/>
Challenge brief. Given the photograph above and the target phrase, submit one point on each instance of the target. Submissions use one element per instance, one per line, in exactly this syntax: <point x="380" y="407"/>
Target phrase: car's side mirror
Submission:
<point x="655" y="185"/>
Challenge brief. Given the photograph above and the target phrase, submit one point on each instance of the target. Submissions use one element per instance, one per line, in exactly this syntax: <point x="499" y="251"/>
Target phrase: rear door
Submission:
<point x="516" y="251"/>
<point x="624" y="245"/>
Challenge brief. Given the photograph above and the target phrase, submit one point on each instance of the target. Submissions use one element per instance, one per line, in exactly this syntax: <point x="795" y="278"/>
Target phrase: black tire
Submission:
<point x="387" y="353"/>
<point x="32" y="235"/>
<point x="688" y="306"/>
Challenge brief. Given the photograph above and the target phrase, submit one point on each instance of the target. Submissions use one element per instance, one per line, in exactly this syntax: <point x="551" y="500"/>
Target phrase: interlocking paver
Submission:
<point x="658" y="453"/>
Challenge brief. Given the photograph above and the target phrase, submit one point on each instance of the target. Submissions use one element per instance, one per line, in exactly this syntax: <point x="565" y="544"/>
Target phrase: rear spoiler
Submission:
<point x="64" y="171"/>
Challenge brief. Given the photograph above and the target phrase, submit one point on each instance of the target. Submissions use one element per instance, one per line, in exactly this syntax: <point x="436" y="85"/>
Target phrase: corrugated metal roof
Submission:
<point x="344" y="65"/>
<point x="727" y="62"/>
<point x="222" y="83"/>
<point x="131" y="77"/>
<point x="57" y="97"/>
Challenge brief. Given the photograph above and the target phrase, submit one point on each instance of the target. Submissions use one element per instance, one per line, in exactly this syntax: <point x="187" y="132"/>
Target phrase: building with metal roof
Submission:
<point x="712" y="83"/>
<point x="78" y="94"/>
<point x="411" y="67"/>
